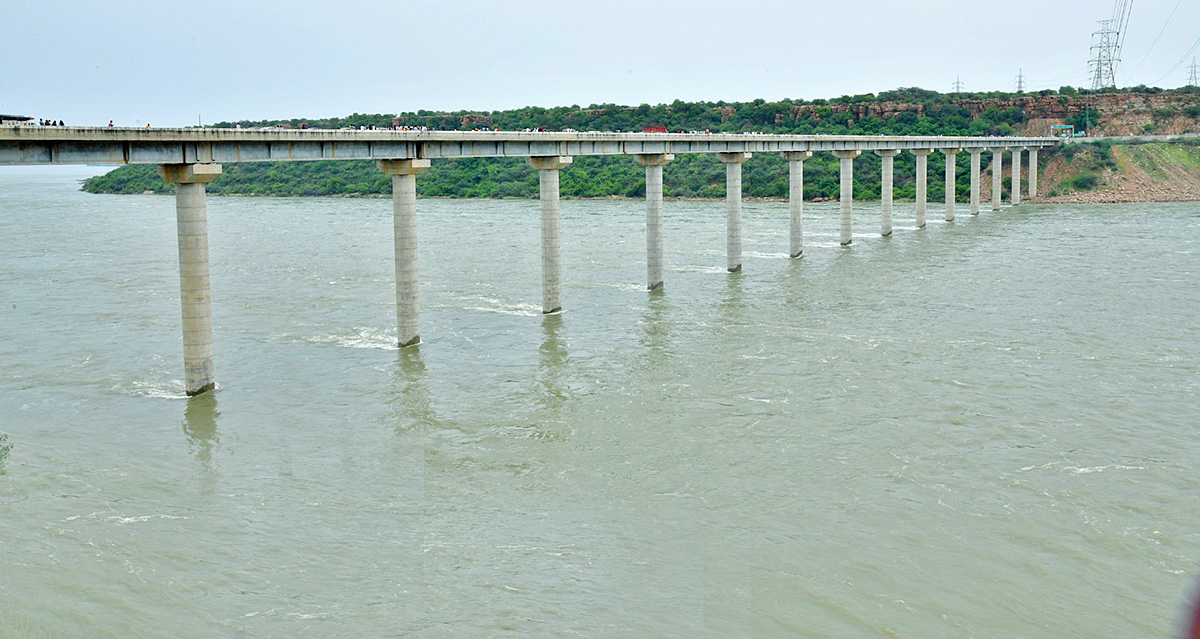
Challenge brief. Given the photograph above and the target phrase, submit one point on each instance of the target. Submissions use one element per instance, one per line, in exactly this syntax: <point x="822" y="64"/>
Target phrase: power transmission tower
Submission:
<point x="1192" y="76"/>
<point x="1104" y="56"/>
<point x="1020" y="81"/>
<point x="957" y="85"/>
<point x="1106" y="46"/>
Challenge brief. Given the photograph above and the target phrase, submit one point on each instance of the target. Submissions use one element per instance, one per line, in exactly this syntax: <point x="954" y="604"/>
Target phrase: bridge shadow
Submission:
<point x="200" y="427"/>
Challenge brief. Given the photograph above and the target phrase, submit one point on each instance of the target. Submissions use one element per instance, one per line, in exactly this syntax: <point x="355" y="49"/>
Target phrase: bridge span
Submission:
<point x="190" y="158"/>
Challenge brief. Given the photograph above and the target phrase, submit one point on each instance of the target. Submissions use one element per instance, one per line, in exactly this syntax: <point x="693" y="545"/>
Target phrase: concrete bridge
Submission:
<point x="190" y="158"/>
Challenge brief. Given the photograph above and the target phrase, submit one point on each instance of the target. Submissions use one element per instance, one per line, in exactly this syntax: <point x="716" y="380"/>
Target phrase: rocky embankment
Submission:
<point x="1102" y="173"/>
<point x="1112" y="173"/>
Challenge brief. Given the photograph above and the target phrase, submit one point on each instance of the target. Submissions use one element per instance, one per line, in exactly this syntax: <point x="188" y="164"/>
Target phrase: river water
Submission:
<point x="981" y="429"/>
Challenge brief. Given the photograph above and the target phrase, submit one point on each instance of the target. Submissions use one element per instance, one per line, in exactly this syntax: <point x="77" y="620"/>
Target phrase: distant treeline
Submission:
<point x="698" y="176"/>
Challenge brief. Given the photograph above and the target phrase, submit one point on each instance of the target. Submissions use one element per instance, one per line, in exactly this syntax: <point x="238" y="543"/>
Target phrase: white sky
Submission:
<point x="168" y="63"/>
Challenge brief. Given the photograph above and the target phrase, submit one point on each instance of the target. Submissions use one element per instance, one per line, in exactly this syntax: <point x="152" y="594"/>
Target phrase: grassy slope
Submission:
<point x="1159" y="171"/>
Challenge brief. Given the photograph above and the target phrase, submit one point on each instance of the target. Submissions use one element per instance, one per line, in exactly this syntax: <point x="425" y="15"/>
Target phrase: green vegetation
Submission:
<point x="692" y="176"/>
<point x="1085" y="181"/>
<point x="689" y="176"/>
<point x="1157" y="159"/>
<point x="1092" y="163"/>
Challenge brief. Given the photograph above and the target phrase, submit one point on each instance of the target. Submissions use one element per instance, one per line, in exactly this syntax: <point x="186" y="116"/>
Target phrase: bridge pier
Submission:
<point x="997" y="175"/>
<point x="846" y="196"/>
<point x="548" y="168"/>
<point x="796" y="199"/>
<point x="922" y="182"/>
<point x="191" y="217"/>
<point x="654" y="217"/>
<point x="976" y="154"/>
<point x="1033" y="170"/>
<point x="404" y="234"/>
<point x="886" y="190"/>
<point x="733" y="208"/>
<point x="951" y="181"/>
<point x="1016" y="175"/>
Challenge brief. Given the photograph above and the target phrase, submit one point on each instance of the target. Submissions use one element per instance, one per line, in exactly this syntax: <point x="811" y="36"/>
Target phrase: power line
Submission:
<point x="1190" y="51"/>
<point x="1192" y="77"/>
<point x="1121" y="16"/>
<point x="1160" y="32"/>
<point x="1020" y="81"/>
<point x="1075" y="75"/>
<point x="1106" y="46"/>
<point x="958" y="85"/>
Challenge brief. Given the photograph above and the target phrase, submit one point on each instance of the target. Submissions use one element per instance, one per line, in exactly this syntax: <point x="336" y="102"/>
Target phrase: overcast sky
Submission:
<point x="170" y="63"/>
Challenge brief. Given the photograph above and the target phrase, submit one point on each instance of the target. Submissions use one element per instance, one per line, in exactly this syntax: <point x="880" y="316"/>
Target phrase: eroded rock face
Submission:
<point x="1116" y="113"/>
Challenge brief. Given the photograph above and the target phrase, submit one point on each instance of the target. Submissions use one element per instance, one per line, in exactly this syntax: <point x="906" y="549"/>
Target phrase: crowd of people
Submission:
<point x="42" y="122"/>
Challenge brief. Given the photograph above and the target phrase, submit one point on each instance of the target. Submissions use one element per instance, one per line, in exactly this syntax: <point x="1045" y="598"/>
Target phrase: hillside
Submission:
<point x="899" y="112"/>
<point x="1137" y="172"/>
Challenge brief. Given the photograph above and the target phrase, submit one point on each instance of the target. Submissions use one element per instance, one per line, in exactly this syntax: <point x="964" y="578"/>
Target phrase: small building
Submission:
<point x="14" y="120"/>
<point x="1062" y="131"/>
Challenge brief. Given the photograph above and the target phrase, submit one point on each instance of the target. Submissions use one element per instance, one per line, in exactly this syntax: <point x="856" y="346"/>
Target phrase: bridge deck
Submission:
<point x="103" y="145"/>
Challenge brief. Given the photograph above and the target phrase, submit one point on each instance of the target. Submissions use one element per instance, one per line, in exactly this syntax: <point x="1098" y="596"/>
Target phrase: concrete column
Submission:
<point x="922" y="182"/>
<point x="886" y="190"/>
<point x="796" y="199"/>
<point x="1016" y="175"/>
<point x="195" y="294"/>
<point x="404" y="238"/>
<point x="997" y="175"/>
<point x="733" y="208"/>
<point x="654" y="217"/>
<point x="548" y="168"/>
<point x="1033" y="172"/>
<point x="976" y="154"/>
<point x="951" y="155"/>
<point x="846" y="196"/>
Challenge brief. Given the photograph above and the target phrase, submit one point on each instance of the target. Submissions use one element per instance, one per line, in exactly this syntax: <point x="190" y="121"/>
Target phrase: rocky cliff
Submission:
<point x="1110" y="113"/>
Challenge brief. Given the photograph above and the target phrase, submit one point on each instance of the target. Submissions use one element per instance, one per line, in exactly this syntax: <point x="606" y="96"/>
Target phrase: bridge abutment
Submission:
<point x="191" y="215"/>
<point x="654" y="217"/>
<point x="548" y="168"/>
<point x="733" y="208"/>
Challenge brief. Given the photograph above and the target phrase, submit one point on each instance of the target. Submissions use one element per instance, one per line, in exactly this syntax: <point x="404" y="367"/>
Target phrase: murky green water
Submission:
<point x="984" y="429"/>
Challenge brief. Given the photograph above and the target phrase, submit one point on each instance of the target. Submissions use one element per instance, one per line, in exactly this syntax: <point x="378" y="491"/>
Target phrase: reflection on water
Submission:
<point x="732" y="305"/>
<point x="200" y="426"/>
<point x="655" y="337"/>
<point x="5" y="447"/>
<point x="552" y="363"/>
<point x="410" y="400"/>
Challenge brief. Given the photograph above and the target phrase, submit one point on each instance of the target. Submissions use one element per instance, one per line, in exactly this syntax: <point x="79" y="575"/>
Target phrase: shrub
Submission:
<point x="1085" y="181"/>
